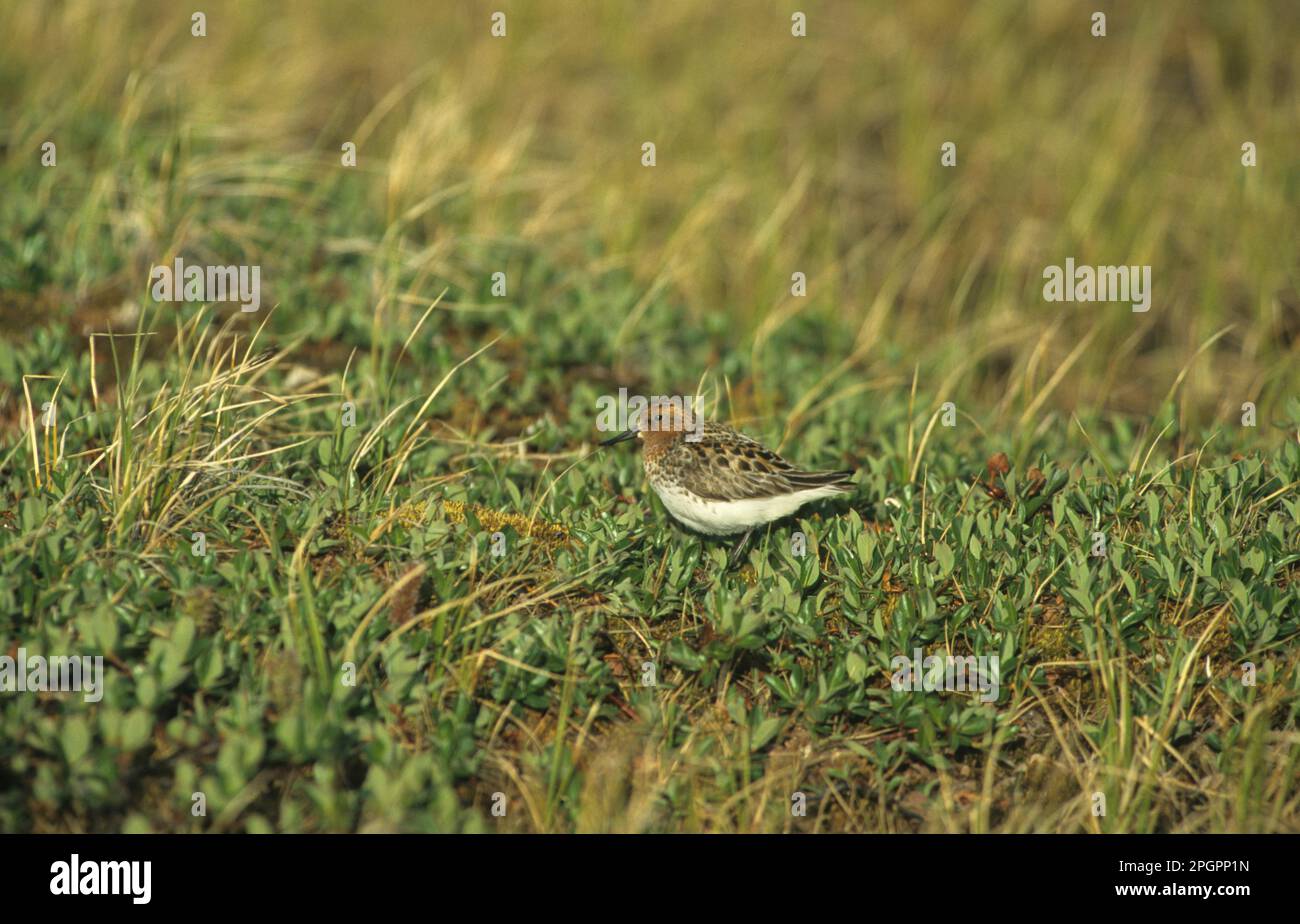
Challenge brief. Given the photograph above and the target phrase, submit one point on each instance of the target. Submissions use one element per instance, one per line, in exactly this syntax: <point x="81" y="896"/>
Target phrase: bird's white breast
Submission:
<point x="722" y="518"/>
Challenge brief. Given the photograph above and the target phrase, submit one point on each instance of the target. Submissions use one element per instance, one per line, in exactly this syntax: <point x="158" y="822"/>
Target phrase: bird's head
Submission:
<point x="659" y="426"/>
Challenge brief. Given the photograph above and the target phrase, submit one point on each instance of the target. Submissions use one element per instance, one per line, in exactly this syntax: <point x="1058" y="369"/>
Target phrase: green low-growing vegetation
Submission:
<point x="277" y="527"/>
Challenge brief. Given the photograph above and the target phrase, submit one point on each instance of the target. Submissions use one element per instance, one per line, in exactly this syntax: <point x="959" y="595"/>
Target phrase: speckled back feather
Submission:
<point x="726" y="465"/>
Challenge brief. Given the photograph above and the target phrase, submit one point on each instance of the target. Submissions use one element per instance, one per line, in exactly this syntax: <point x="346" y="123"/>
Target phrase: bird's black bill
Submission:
<point x="619" y="439"/>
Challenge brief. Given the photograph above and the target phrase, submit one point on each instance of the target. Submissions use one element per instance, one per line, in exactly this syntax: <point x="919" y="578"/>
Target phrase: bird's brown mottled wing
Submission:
<point x="726" y="465"/>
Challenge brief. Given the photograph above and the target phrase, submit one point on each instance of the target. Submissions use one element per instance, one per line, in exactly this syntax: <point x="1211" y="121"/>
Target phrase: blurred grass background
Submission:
<point x="775" y="155"/>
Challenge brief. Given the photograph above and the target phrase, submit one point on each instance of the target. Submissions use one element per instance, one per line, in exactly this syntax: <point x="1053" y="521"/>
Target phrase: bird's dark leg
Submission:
<point x="740" y="548"/>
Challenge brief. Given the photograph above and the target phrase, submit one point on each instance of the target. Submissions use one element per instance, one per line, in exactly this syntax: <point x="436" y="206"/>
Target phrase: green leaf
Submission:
<point x="764" y="730"/>
<point x="76" y="739"/>
<point x="678" y="652"/>
<point x="136" y="728"/>
<point x="856" y="665"/>
<point x="943" y="555"/>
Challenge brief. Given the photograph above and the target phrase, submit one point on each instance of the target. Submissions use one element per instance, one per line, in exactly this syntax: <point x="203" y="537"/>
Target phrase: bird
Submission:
<point x="717" y="481"/>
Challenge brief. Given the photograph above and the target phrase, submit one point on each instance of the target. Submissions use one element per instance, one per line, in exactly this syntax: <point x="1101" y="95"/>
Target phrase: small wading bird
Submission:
<point x="723" y="483"/>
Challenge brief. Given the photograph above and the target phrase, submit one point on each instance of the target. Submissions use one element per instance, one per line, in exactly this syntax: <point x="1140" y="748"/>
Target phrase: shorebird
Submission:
<point x="720" y="482"/>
